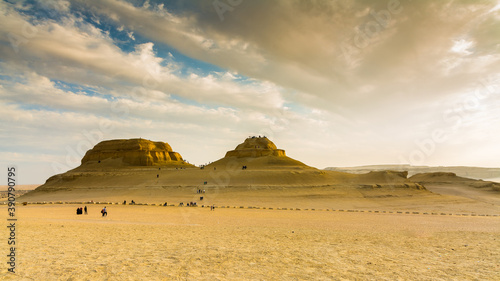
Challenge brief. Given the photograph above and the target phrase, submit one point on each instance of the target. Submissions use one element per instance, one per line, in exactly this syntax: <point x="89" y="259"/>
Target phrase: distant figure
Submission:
<point x="165" y="205"/>
<point x="215" y="168"/>
<point x="85" y="209"/>
<point x="157" y="176"/>
<point x="78" y="211"/>
<point x="201" y="198"/>
<point x="205" y="182"/>
<point x="104" y="212"/>
<point x="124" y="202"/>
<point x="132" y="202"/>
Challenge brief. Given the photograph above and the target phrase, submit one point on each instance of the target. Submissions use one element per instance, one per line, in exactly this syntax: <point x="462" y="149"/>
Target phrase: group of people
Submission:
<point x="200" y="191"/>
<point x="190" y="204"/>
<point x="80" y="211"/>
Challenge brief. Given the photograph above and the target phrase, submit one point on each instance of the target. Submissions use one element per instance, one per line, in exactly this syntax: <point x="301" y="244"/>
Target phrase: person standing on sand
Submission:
<point x="104" y="212"/>
<point x="85" y="209"/>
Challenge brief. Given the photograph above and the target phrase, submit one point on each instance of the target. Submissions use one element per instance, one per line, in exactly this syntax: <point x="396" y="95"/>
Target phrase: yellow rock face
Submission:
<point x="135" y="152"/>
<point x="256" y="147"/>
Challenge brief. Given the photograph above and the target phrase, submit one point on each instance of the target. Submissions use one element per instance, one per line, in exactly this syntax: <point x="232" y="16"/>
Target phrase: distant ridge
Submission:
<point x="461" y="171"/>
<point x="451" y="178"/>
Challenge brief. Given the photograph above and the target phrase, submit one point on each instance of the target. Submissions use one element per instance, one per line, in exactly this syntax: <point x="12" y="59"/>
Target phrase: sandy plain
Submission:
<point x="139" y="242"/>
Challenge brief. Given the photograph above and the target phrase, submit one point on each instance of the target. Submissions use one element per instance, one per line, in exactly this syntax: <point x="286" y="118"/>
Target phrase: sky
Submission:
<point x="333" y="83"/>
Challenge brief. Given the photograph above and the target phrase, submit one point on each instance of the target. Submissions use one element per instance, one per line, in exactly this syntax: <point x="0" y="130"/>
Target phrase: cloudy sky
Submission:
<point x="334" y="83"/>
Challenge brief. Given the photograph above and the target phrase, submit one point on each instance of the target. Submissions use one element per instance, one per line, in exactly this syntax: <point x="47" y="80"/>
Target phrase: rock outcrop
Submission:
<point x="134" y="152"/>
<point x="256" y="147"/>
<point x="257" y="153"/>
<point x="452" y="178"/>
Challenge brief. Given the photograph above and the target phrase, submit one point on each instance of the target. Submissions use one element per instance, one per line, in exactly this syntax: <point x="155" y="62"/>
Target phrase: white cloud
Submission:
<point x="462" y="47"/>
<point x="66" y="47"/>
<point x="298" y="46"/>
<point x="58" y="5"/>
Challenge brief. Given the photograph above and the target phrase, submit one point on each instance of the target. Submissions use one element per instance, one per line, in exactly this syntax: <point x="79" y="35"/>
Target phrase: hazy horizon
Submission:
<point x="333" y="83"/>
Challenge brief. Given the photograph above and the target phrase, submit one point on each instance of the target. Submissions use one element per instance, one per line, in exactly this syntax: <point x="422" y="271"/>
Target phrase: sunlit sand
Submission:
<point x="171" y="243"/>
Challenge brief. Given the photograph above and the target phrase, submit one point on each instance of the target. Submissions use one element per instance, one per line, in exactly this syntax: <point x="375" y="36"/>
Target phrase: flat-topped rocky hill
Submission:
<point x="132" y="152"/>
<point x="258" y="153"/>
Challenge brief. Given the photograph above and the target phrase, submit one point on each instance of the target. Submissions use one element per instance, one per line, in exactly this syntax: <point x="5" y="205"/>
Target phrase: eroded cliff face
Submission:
<point x="135" y="152"/>
<point x="256" y="147"/>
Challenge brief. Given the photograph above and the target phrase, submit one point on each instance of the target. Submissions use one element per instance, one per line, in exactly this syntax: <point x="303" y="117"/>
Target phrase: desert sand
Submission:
<point x="180" y="243"/>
